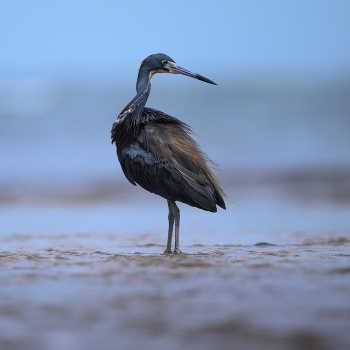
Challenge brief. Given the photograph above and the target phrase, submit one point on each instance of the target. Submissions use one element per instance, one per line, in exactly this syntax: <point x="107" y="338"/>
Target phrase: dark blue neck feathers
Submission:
<point x="135" y="107"/>
<point x="143" y="78"/>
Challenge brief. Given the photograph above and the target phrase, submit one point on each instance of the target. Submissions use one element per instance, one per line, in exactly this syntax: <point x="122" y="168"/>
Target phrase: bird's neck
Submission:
<point x="133" y="111"/>
<point x="126" y="127"/>
<point x="143" y="78"/>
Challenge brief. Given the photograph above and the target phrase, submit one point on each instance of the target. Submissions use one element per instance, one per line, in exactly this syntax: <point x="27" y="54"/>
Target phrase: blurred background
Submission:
<point x="277" y="123"/>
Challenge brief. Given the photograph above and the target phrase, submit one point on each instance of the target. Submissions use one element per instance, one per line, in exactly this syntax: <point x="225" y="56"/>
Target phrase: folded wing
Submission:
<point x="166" y="161"/>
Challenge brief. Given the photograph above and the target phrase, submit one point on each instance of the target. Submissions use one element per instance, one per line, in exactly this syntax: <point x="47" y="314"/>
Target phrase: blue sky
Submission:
<point x="78" y="38"/>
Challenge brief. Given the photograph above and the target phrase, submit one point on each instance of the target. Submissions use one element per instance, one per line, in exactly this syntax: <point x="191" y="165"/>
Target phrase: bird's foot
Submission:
<point x="167" y="251"/>
<point x="177" y="251"/>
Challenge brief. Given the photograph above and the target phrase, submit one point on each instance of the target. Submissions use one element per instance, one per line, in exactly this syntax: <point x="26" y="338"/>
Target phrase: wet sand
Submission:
<point x="63" y="292"/>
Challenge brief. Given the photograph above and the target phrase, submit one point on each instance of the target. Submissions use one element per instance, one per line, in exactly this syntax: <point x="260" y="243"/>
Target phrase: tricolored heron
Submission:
<point x="156" y="152"/>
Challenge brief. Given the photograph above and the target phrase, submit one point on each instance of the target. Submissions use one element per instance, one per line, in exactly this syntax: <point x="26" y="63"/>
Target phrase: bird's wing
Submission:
<point x="170" y="140"/>
<point x="141" y="167"/>
<point x="158" y="176"/>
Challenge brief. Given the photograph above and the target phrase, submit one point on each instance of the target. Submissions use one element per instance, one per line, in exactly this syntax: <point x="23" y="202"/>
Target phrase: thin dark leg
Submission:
<point x="176" y="211"/>
<point x="171" y="226"/>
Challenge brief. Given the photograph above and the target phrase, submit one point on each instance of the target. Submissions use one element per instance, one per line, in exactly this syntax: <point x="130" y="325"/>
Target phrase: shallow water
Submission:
<point x="82" y="292"/>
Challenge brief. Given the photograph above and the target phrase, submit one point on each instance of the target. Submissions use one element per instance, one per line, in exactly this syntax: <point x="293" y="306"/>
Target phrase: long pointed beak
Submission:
<point x="175" y="69"/>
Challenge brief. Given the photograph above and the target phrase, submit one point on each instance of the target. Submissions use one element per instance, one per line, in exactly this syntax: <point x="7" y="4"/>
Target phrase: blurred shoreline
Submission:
<point x="299" y="185"/>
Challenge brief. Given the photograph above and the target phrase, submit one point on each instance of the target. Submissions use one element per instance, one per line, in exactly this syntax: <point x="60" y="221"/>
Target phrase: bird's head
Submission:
<point x="161" y="63"/>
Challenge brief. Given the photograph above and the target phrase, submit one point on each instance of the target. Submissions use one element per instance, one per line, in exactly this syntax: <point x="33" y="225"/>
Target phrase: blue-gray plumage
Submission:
<point x="156" y="152"/>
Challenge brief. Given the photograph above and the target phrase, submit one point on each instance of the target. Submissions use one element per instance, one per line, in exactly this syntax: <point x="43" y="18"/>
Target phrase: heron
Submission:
<point x="156" y="151"/>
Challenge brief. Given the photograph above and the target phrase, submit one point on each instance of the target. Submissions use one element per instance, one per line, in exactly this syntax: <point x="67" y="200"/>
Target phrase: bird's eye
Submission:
<point x="165" y="62"/>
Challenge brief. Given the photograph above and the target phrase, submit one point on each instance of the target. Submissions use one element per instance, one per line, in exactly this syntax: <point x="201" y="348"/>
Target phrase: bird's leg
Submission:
<point x="177" y="228"/>
<point x="171" y="226"/>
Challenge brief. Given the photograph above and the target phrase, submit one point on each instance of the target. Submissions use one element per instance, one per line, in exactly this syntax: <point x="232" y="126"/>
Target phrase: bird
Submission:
<point x="156" y="151"/>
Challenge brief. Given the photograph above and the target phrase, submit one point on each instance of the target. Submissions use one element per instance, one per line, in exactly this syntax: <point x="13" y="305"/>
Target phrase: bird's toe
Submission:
<point x="177" y="251"/>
